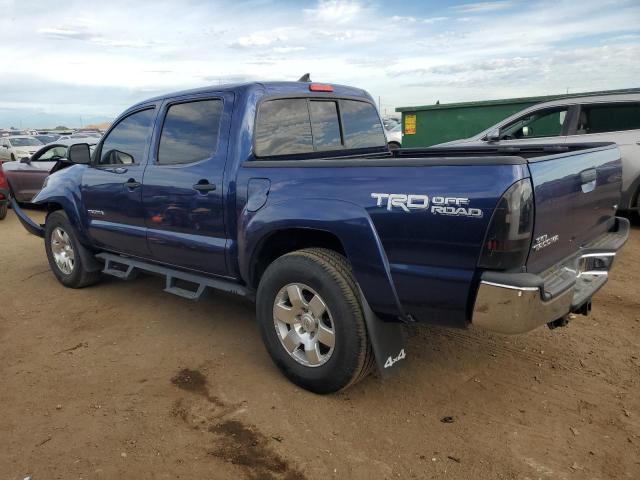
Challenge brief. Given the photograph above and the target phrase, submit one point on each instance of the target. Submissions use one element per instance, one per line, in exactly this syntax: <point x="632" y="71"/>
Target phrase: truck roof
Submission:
<point x="270" y="88"/>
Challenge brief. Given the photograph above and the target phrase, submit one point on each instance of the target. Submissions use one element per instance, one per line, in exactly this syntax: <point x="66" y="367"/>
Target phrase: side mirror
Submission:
<point x="25" y="160"/>
<point x="79" y="153"/>
<point x="493" y="135"/>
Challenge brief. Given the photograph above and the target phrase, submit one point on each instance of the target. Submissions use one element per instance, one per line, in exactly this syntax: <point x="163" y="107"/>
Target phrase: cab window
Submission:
<point x="538" y="124"/>
<point x="283" y="128"/>
<point x="127" y="143"/>
<point x="300" y="125"/>
<point x="190" y="132"/>
<point x="361" y="123"/>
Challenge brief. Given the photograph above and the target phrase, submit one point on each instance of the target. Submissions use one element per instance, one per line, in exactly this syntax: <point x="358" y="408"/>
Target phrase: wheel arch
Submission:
<point x="338" y="225"/>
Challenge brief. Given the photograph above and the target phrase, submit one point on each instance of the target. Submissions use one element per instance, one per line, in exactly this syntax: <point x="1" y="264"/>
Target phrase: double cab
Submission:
<point x="286" y="193"/>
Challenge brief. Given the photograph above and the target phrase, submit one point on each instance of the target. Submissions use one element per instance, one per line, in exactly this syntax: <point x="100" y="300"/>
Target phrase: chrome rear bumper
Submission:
<point x="512" y="303"/>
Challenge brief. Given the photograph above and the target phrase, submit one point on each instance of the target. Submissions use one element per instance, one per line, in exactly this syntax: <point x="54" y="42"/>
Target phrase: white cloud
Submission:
<point x="258" y="40"/>
<point x="483" y="7"/>
<point x="335" y="11"/>
<point x="105" y="56"/>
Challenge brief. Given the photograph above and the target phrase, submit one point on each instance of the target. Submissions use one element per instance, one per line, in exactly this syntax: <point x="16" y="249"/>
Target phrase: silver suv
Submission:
<point x="601" y="118"/>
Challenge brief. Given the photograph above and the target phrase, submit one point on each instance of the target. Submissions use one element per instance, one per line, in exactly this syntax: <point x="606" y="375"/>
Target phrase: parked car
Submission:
<point x="286" y="193"/>
<point x="26" y="176"/>
<point x="4" y="194"/>
<point x="46" y="138"/>
<point x="394" y="137"/>
<point x="601" y="118"/>
<point x="17" y="147"/>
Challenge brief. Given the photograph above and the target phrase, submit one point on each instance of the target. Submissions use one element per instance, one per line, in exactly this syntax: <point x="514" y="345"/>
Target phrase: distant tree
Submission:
<point x="61" y="127"/>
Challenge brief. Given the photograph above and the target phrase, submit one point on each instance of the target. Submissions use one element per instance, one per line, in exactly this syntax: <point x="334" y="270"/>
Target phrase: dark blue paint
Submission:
<point x="406" y="263"/>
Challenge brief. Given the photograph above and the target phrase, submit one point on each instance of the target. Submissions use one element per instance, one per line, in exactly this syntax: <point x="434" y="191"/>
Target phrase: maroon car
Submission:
<point x="4" y="194"/>
<point x="26" y="176"/>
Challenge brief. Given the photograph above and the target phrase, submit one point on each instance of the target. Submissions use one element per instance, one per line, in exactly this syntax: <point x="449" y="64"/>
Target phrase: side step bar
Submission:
<point x="126" y="268"/>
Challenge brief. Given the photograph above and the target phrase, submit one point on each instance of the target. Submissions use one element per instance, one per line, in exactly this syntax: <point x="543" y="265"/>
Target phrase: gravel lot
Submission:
<point x="122" y="380"/>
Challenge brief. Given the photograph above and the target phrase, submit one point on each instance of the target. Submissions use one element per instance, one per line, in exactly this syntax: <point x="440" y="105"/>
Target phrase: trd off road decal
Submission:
<point x="438" y="205"/>
<point x="544" y="241"/>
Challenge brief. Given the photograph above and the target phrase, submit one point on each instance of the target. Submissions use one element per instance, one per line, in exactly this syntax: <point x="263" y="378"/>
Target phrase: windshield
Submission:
<point x="25" y="142"/>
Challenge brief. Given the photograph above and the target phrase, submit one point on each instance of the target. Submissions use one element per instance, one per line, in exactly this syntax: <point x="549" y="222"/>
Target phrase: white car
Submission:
<point x="394" y="137"/>
<point x="17" y="147"/>
<point x="580" y="119"/>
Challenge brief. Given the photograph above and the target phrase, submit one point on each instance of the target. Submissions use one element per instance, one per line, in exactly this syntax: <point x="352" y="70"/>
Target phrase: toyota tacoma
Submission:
<point x="286" y="193"/>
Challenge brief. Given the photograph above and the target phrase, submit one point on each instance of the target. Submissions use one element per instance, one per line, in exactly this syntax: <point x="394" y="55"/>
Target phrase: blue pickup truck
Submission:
<point x="286" y="193"/>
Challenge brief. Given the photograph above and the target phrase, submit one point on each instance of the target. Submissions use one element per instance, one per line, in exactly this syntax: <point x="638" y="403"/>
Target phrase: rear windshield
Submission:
<point x="304" y="125"/>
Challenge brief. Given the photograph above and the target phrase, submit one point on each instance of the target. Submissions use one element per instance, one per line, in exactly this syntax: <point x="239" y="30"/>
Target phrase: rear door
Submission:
<point x="111" y="186"/>
<point x="617" y="122"/>
<point x="183" y="184"/>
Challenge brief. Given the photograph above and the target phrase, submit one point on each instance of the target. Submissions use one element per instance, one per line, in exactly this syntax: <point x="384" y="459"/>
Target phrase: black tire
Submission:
<point x="3" y="211"/>
<point x="329" y="274"/>
<point x="79" y="276"/>
<point x="13" y="157"/>
<point x="393" y="146"/>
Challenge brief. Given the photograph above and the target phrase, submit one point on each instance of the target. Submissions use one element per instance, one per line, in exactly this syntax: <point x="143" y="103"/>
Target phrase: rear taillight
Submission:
<point x="3" y="182"/>
<point x="508" y="238"/>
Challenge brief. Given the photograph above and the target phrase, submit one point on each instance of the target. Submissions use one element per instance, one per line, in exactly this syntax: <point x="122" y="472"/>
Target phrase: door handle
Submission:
<point x="116" y="170"/>
<point x="588" y="179"/>
<point x="587" y="176"/>
<point x="204" y="187"/>
<point x="131" y="183"/>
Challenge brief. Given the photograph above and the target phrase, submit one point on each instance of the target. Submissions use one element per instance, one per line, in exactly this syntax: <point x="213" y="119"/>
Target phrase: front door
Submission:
<point x="111" y="186"/>
<point x="183" y="183"/>
<point x="542" y="126"/>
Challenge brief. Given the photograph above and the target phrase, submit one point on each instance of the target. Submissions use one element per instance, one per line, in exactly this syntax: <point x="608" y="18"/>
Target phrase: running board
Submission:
<point x="126" y="268"/>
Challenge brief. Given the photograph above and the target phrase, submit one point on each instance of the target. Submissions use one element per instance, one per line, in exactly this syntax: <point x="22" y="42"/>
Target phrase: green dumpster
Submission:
<point x="428" y="125"/>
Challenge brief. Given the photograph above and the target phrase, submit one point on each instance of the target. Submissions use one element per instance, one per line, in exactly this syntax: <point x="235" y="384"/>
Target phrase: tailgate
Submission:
<point x="576" y="196"/>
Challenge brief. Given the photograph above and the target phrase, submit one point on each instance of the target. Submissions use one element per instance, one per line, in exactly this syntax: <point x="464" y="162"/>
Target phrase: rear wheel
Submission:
<point x="13" y="157"/>
<point x="394" y="145"/>
<point x="3" y="211"/>
<point x="65" y="252"/>
<point x="312" y="322"/>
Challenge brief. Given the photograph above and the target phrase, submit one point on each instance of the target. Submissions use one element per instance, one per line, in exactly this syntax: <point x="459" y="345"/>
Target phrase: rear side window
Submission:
<point x="613" y="117"/>
<point x="190" y="132"/>
<point x="283" y="128"/>
<point x="299" y="125"/>
<point x="362" y="127"/>
<point x="128" y="141"/>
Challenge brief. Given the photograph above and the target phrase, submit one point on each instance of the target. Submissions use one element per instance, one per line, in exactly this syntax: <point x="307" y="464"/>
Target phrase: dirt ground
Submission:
<point x="121" y="380"/>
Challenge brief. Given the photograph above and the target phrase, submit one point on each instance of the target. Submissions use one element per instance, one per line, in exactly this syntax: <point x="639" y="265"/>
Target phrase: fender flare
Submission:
<point x="349" y="222"/>
<point x="64" y="189"/>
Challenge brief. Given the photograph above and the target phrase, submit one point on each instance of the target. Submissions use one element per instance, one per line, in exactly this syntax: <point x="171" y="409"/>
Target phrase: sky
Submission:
<point x="86" y="61"/>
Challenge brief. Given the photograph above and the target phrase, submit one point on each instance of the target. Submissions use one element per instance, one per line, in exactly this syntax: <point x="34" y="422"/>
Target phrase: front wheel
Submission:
<point x="312" y="322"/>
<point x="3" y="211"/>
<point x="65" y="252"/>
